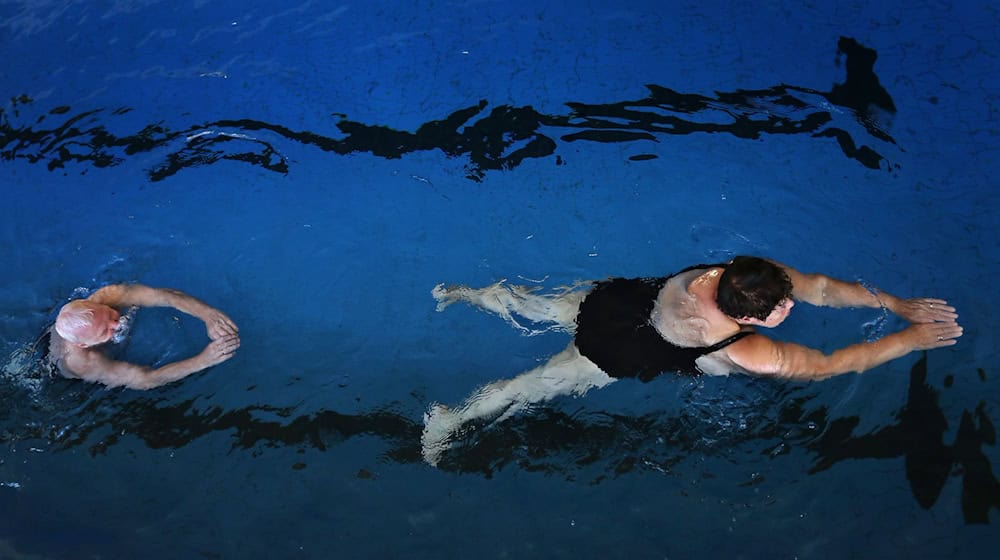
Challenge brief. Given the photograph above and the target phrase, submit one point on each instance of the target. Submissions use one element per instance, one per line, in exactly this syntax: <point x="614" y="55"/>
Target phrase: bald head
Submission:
<point x="86" y="323"/>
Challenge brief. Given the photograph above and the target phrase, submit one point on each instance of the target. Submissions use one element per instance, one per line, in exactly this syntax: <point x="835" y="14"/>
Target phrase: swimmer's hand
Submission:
<point x="219" y="350"/>
<point x="925" y="310"/>
<point x="925" y="336"/>
<point x="218" y="325"/>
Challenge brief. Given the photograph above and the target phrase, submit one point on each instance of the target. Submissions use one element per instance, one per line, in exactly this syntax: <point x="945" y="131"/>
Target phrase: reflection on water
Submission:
<point x="918" y="435"/>
<point x="586" y="445"/>
<point x="496" y="139"/>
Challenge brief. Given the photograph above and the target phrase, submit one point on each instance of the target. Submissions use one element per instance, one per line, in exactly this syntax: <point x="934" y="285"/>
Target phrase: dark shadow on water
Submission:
<point x="918" y="436"/>
<point x="491" y="139"/>
<point x="584" y="445"/>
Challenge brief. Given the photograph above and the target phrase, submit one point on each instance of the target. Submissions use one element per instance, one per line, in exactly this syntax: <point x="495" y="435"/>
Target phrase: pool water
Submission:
<point x="314" y="170"/>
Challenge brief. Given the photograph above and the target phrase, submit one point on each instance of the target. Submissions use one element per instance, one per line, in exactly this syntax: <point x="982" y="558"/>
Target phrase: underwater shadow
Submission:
<point x="500" y="138"/>
<point x="918" y="436"/>
<point x="588" y="445"/>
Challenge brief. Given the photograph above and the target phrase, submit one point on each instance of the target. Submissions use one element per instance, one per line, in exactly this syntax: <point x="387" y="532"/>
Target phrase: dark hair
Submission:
<point x="752" y="287"/>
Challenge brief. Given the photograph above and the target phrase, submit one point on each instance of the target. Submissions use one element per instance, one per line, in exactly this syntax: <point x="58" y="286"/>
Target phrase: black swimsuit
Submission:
<point x="615" y="332"/>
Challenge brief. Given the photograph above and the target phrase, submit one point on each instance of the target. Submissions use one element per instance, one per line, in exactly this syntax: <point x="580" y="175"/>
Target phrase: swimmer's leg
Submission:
<point x="566" y="373"/>
<point x="559" y="307"/>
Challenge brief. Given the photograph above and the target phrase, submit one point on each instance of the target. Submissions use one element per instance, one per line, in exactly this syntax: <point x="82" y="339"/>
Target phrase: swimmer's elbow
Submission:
<point x="806" y="364"/>
<point x="758" y="355"/>
<point x="839" y="362"/>
<point x="129" y="376"/>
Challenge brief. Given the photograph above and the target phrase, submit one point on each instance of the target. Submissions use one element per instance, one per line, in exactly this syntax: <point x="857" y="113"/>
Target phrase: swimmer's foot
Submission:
<point x="446" y="296"/>
<point x="440" y="424"/>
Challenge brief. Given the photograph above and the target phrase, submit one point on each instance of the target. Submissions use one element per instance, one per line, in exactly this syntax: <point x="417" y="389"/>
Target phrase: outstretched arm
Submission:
<point x="760" y="355"/>
<point x="94" y="366"/>
<point x="217" y="323"/>
<point x="821" y="290"/>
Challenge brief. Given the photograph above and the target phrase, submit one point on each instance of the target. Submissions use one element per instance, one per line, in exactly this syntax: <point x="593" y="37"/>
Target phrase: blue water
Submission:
<point x="315" y="169"/>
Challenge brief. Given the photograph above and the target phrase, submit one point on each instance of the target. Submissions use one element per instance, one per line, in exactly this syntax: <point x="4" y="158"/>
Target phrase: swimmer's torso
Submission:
<point x="685" y="314"/>
<point x="643" y="327"/>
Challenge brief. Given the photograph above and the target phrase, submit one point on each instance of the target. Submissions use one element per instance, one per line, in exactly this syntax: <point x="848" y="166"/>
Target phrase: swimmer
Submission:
<point x="84" y="327"/>
<point x="701" y="320"/>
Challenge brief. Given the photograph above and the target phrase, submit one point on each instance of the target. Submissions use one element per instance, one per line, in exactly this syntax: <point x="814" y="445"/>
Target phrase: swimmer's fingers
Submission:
<point x="218" y="330"/>
<point x="926" y="310"/>
<point x="225" y="322"/>
<point x="219" y="324"/>
<point x="938" y="306"/>
<point x="221" y="349"/>
<point x="925" y="336"/>
<point x="229" y="343"/>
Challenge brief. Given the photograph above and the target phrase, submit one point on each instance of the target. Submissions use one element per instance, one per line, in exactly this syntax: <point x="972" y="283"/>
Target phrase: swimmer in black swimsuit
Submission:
<point x="614" y="329"/>
<point x="700" y="320"/>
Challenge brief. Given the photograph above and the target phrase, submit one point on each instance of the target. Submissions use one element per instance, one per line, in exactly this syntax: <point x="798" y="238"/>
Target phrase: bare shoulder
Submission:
<point x="124" y="295"/>
<point x="686" y="313"/>
<point x="74" y="361"/>
<point x="92" y="365"/>
<point x="59" y="352"/>
<point x="111" y="295"/>
<point x="677" y="313"/>
<point x="760" y="355"/>
<point x="756" y="354"/>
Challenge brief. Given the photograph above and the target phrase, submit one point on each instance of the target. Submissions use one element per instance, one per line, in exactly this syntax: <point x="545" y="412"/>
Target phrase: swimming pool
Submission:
<point x="315" y="170"/>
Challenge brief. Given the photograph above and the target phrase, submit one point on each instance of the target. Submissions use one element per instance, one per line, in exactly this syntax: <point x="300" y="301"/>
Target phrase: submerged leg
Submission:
<point x="559" y="307"/>
<point x="566" y="373"/>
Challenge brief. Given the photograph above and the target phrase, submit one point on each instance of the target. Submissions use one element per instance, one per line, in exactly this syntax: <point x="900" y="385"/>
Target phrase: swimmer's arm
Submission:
<point x="822" y="290"/>
<point x="95" y="367"/>
<point x="217" y="323"/>
<point x="125" y="295"/>
<point x="762" y="356"/>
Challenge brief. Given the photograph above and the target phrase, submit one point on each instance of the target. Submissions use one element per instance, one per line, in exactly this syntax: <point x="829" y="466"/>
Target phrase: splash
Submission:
<point x="124" y="327"/>
<point x="27" y="367"/>
<point x="875" y="329"/>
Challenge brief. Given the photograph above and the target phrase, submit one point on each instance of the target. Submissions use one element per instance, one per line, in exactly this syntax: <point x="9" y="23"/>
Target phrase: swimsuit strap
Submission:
<point x="726" y="342"/>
